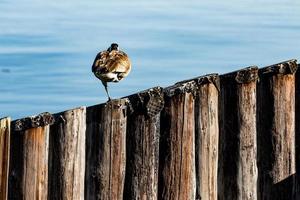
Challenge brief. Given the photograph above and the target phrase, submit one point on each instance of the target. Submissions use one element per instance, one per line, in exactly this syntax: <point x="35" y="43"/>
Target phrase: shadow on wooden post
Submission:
<point x="67" y="155"/>
<point x="28" y="177"/>
<point x="177" y="147"/>
<point x="143" y="129"/>
<point x="276" y="131"/>
<point x="207" y="136"/>
<point x="106" y="150"/>
<point x="237" y="179"/>
<point x="4" y="156"/>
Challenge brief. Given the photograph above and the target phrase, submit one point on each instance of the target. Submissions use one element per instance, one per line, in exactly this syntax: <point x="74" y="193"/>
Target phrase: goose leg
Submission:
<point x="106" y="90"/>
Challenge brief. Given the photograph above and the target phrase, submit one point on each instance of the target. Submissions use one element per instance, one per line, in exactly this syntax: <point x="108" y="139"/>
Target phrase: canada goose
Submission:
<point x="111" y="65"/>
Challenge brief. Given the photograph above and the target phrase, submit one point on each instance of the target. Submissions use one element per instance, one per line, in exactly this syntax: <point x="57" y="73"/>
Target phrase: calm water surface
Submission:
<point x="47" y="47"/>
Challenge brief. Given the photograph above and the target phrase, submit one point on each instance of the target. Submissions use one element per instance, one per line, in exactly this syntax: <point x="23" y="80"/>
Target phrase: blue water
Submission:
<point x="47" y="47"/>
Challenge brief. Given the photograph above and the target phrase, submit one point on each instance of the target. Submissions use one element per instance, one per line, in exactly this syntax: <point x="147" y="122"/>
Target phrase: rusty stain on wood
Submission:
<point x="29" y="164"/>
<point x="67" y="155"/>
<point x="4" y="156"/>
<point x="106" y="150"/>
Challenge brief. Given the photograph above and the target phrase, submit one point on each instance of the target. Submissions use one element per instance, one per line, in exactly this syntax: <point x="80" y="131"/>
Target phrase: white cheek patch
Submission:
<point x="110" y="76"/>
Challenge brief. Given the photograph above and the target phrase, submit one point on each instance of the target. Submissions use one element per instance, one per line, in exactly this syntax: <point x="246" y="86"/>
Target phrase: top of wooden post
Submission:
<point x="150" y="101"/>
<point x="93" y="112"/>
<point x="191" y="85"/>
<point x="4" y="117"/>
<point x="242" y="76"/>
<point x="286" y="67"/>
<point x="42" y="119"/>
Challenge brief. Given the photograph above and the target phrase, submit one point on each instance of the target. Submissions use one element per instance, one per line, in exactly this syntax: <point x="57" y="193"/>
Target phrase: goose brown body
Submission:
<point x="111" y="65"/>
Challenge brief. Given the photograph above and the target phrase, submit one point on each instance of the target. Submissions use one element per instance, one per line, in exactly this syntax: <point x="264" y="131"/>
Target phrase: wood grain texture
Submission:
<point x="237" y="178"/>
<point x="247" y="159"/>
<point x="177" y="148"/>
<point x="142" y="158"/>
<point x="67" y="155"/>
<point x="297" y="135"/>
<point x="276" y="134"/>
<point x="29" y="164"/>
<point x="4" y="156"/>
<point x="143" y="130"/>
<point x="106" y="150"/>
<point x="207" y="140"/>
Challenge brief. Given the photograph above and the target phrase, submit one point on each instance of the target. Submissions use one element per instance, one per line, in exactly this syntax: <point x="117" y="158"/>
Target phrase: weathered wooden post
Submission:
<point x="28" y="176"/>
<point x="143" y="129"/>
<point x="276" y="131"/>
<point x="297" y="118"/>
<point x="207" y="136"/>
<point x="106" y="150"/>
<point x="4" y="156"/>
<point x="177" y="147"/>
<point x="237" y="154"/>
<point x="67" y="155"/>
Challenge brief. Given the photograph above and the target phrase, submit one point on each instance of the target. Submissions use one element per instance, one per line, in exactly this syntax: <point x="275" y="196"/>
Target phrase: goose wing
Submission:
<point x="99" y="62"/>
<point x="114" y="61"/>
<point x="118" y="62"/>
